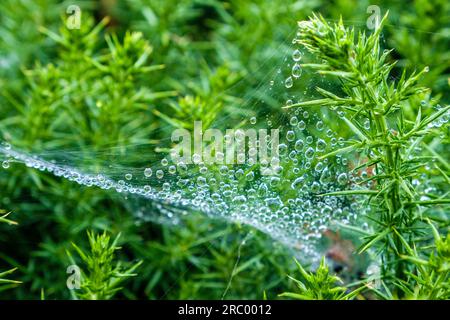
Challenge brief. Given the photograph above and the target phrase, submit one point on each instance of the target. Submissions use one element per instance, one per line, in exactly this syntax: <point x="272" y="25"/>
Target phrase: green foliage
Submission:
<point x="117" y="80"/>
<point x="378" y="111"/>
<point x="207" y="102"/>
<point x="204" y="257"/>
<point x="6" y="283"/>
<point x="83" y="93"/>
<point x="3" y="218"/>
<point x="425" y="23"/>
<point x="102" y="90"/>
<point x="103" y="276"/>
<point x="431" y="279"/>
<point x="319" y="285"/>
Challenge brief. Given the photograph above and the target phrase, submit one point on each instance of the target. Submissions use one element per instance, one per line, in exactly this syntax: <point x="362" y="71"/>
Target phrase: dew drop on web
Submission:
<point x="309" y="153"/>
<point x="296" y="70"/>
<point x="296" y="55"/>
<point x="148" y="172"/>
<point x="342" y="179"/>
<point x="294" y="121"/>
<point x="288" y="83"/>
<point x="5" y="164"/>
<point x="159" y="174"/>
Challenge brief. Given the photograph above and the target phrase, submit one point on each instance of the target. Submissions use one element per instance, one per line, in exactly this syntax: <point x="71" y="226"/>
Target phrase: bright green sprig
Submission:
<point x="103" y="276"/>
<point x="320" y="285"/>
<point x="431" y="279"/>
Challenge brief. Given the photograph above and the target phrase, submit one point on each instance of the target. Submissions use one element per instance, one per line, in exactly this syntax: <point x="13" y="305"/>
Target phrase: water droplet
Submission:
<point x="274" y="181"/>
<point x="290" y="135"/>
<point x="329" y="133"/>
<point x="159" y="174"/>
<point x="333" y="141"/>
<point x="240" y="158"/>
<point x="196" y="158"/>
<point x="342" y="179"/>
<point x="307" y="165"/>
<point x="321" y="145"/>
<point x="298" y="183"/>
<point x="5" y="164"/>
<point x="201" y="181"/>
<point x="288" y="83"/>
<point x="315" y="187"/>
<point x="302" y="125"/>
<point x="326" y="210"/>
<point x="262" y="190"/>
<point x="296" y="55"/>
<point x="299" y="144"/>
<point x="128" y="176"/>
<point x="173" y="169"/>
<point x="148" y="172"/>
<point x="239" y="135"/>
<point x="239" y="200"/>
<point x="319" y="167"/>
<point x="293" y="121"/>
<point x="319" y="125"/>
<point x="282" y="149"/>
<point x="296" y="71"/>
<point x="292" y="155"/>
<point x="273" y="203"/>
<point x="309" y="153"/>
<point x="223" y="170"/>
<point x="325" y="177"/>
<point x="253" y="120"/>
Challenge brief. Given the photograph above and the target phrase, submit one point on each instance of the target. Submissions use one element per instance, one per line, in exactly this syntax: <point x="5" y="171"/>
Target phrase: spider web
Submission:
<point x="288" y="205"/>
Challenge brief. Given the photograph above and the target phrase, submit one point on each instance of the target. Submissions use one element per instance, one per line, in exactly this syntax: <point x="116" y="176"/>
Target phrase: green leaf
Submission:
<point x="373" y="240"/>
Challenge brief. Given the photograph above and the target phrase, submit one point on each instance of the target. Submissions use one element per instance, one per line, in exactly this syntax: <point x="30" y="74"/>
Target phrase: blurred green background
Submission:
<point x="201" y="53"/>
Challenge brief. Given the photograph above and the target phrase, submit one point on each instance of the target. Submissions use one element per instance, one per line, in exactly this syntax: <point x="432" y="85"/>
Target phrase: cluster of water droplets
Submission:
<point x="289" y="205"/>
<point x="439" y="122"/>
